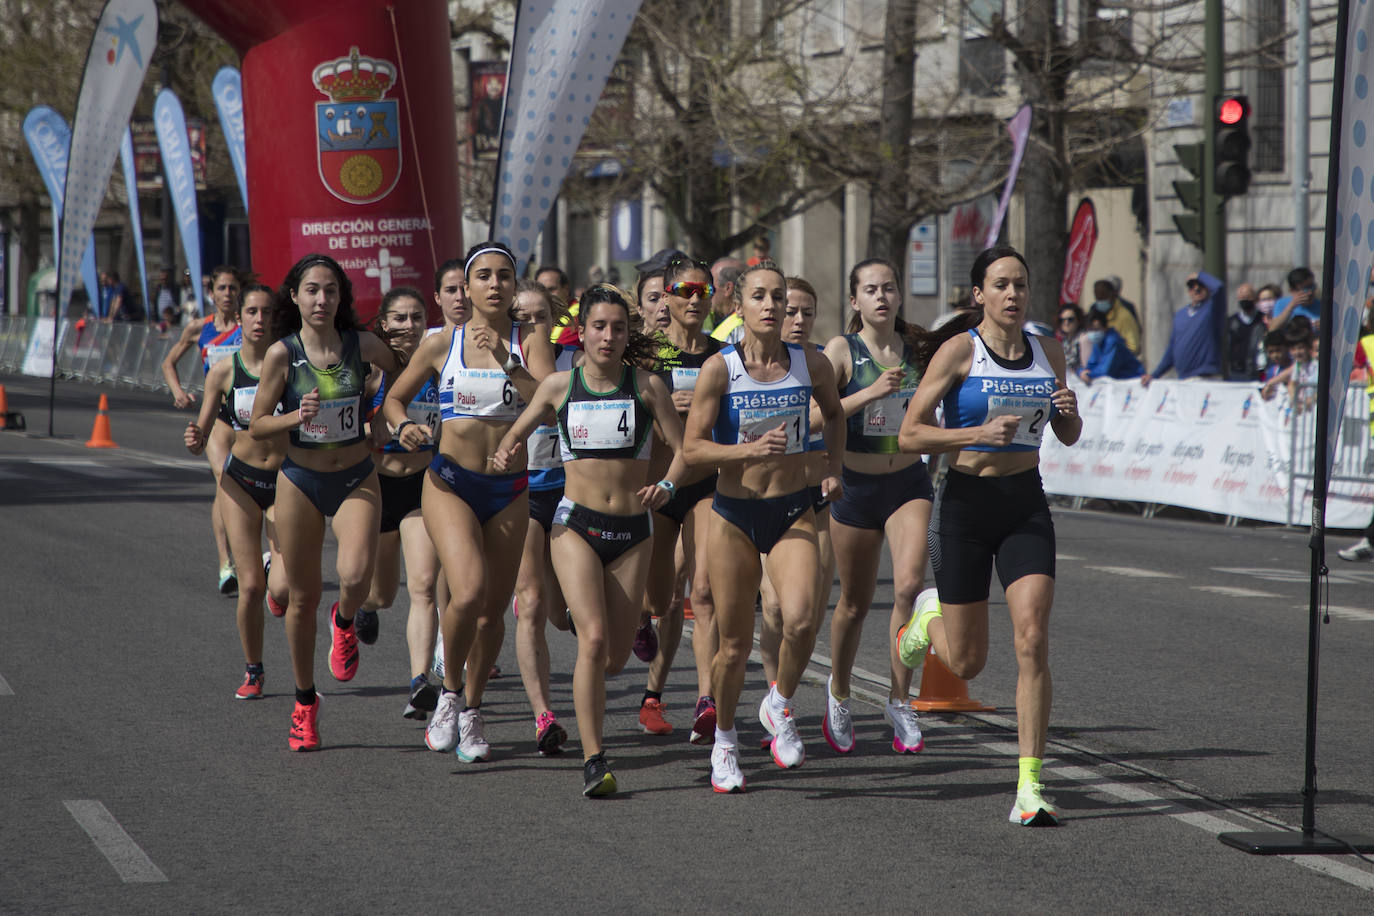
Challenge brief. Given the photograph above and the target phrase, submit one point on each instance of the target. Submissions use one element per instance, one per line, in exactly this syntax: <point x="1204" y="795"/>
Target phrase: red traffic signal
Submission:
<point x="1231" y="146"/>
<point x="1231" y="110"/>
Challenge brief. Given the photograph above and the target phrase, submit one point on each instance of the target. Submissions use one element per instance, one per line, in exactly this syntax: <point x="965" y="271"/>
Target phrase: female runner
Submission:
<point x="606" y="410"/>
<point x="536" y="589"/>
<point x="248" y="483"/>
<point x="684" y="348"/>
<point x="477" y="519"/>
<point x="799" y="319"/>
<point x="317" y="372"/>
<point x="750" y="419"/>
<point x="885" y="493"/>
<point x="400" y="476"/>
<point x="999" y="386"/>
<point x="217" y="336"/>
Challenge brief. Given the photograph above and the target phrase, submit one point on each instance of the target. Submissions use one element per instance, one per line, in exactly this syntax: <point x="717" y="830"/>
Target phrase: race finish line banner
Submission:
<point x="1212" y="446"/>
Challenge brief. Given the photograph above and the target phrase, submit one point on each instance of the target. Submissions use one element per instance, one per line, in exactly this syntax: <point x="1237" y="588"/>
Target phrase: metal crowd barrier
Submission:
<point x="121" y="353"/>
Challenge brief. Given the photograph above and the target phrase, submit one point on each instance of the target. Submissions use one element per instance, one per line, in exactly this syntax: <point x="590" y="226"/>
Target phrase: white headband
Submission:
<point x="489" y="250"/>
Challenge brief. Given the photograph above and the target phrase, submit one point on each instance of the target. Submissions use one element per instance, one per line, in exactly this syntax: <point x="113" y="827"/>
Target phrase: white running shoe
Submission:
<point x="906" y="728"/>
<point x="914" y="636"/>
<point x="442" y="731"/>
<point x="1032" y="808"/>
<point x="1357" y="552"/>
<point x="838" y="725"/>
<point x="788" y="750"/>
<point x="725" y="771"/>
<point x="472" y="740"/>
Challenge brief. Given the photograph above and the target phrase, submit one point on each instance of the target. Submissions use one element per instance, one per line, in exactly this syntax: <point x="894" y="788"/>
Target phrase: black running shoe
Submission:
<point x="598" y="780"/>
<point x="365" y="625"/>
<point x="422" y="700"/>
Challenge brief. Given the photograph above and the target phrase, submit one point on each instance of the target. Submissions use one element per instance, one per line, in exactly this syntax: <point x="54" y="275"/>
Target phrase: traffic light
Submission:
<point x="1190" y="193"/>
<point x="1231" y="138"/>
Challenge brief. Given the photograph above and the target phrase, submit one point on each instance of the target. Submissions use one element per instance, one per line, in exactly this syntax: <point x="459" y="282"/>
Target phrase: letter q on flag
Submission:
<point x="562" y="53"/>
<point x="120" y="51"/>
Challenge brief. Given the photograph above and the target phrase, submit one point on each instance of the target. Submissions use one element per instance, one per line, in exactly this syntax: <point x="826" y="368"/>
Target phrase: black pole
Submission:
<point x="501" y="133"/>
<point x="1286" y="842"/>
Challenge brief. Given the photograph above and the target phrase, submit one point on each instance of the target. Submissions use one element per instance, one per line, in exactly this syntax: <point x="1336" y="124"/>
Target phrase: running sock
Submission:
<point x="307" y="696"/>
<point x="830" y="684"/>
<point x="471" y="708"/>
<point x="777" y="702"/>
<point x="341" y="623"/>
<point x="254" y="668"/>
<point x="1030" y="770"/>
<point x="444" y="691"/>
<point x="727" y="738"/>
<point x="651" y="695"/>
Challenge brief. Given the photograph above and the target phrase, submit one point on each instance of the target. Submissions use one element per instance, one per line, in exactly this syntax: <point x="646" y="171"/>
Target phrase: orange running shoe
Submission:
<point x="251" y="688"/>
<point x="305" y="731"/>
<point x="343" y="655"/>
<point x="651" y="718"/>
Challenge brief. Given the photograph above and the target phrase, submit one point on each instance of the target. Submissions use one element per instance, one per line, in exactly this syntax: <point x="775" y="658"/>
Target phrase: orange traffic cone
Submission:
<point x="100" y="433"/>
<point x="687" y="609"/>
<point x="4" y="409"/>
<point x="941" y="691"/>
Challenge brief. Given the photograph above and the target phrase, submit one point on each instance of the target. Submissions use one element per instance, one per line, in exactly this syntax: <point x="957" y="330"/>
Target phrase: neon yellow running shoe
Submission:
<point x="913" y="638"/>
<point x="1032" y="809"/>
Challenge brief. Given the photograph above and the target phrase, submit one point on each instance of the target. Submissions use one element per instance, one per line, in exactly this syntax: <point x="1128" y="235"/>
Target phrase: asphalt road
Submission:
<point x="134" y="783"/>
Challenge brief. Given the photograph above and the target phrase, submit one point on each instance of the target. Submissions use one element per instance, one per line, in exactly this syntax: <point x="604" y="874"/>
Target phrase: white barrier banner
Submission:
<point x="1213" y="446"/>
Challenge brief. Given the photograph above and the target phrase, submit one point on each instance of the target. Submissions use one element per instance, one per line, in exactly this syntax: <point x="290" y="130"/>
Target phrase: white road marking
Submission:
<point x="5" y="690"/>
<point x="1066" y="557"/>
<point x="1336" y="576"/>
<point x="1346" y="613"/>
<point x="1132" y="572"/>
<point x="131" y="862"/>
<point x="1232" y="592"/>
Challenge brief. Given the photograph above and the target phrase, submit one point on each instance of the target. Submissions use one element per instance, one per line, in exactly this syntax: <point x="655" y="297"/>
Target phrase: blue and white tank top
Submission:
<point x="750" y="409"/>
<point x="216" y="345"/>
<point x="996" y="387"/>
<point x="423" y="409"/>
<point x="487" y="394"/>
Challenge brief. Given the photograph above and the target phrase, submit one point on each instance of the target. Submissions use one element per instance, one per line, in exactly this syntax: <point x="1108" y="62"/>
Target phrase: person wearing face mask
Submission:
<point x="1118" y="312"/>
<point x="1269" y="294"/>
<point x="1110" y="357"/>
<point x="1245" y="330"/>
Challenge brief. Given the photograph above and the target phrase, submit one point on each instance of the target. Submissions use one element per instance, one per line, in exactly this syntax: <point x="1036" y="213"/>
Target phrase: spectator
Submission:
<point x="1119" y="313"/>
<point x="116" y="304"/>
<point x="1363" y="549"/>
<point x="724" y="273"/>
<point x="1069" y="332"/>
<point x="1275" y="355"/>
<point x="762" y="250"/>
<point x="1301" y="368"/>
<point x="1110" y="357"/>
<point x="553" y="279"/>
<point x="165" y="292"/>
<point x="1194" y="349"/>
<point x="189" y="306"/>
<point x="1301" y="301"/>
<point x="595" y="275"/>
<point x="1245" y="331"/>
<point x="1264" y="302"/>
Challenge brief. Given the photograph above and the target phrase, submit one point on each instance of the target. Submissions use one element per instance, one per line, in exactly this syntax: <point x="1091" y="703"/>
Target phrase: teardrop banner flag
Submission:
<point x="50" y="140"/>
<point x="561" y="55"/>
<point x="1019" y="128"/>
<point x="170" y="124"/>
<point x="228" y="91"/>
<point x="121" y="48"/>
<point x="1082" y="241"/>
<point x="126" y="159"/>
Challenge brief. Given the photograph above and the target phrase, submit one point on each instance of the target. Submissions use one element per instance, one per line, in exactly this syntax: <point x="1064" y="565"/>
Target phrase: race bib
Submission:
<point x="1033" y="414"/>
<point x="486" y="393"/>
<point x="685" y="379"/>
<point x="756" y="422"/>
<point x="337" y="421"/>
<point x="243" y="404"/>
<point x="884" y="416"/>
<point x="217" y="352"/>
<point x="542" y="446"/>
<point x="425" y="413"/>
<point x="606" y="424"/>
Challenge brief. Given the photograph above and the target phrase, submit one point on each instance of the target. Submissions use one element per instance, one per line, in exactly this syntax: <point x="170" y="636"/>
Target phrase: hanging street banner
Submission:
<point x="176" y="162"/>
<point x="1079" y="252"/>
<point x="121" y="48"/>
<point x="562" y="53"/>
<point x="50" y="140"/>
<point x="1019" y="128"/>
<point x="126" y="159"/>
<point x="228" y="91"/>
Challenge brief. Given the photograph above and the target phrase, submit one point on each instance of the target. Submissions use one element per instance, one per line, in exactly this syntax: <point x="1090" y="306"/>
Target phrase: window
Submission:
<point x="1106" y="32"/>
<point x="1268" y="103"/>
<point x="761" y="19"/>
<point x="823" y="28"/>
<point x="982" y="61"/>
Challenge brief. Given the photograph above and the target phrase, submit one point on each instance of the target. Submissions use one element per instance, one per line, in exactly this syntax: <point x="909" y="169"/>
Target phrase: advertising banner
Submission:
<point x="121" y="48"/>
<point x="126" y="158"/>
<point x="1078" y="254"/>
<point x="228" y="91"/>
<point x="1019" y="129"/>
<point x="561" y="56"/>
<point x="49" y="140"/>
<point x="176" y="162"/>
<point x="1213" y="446"/>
